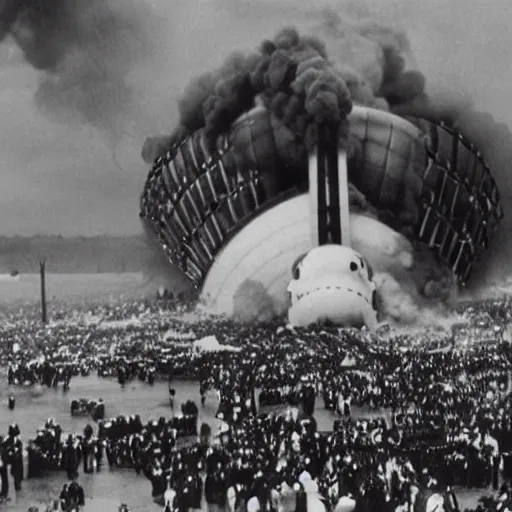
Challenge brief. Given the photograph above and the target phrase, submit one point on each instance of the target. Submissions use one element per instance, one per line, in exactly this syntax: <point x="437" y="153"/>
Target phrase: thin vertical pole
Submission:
<point x="42" y="270"/>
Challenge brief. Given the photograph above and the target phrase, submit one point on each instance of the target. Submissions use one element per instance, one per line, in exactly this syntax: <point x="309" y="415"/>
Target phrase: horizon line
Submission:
<point x="58" y="235"/>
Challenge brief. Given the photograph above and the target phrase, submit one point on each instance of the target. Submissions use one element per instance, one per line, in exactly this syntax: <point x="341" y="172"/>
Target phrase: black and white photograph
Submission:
<point x="255" y="256"/>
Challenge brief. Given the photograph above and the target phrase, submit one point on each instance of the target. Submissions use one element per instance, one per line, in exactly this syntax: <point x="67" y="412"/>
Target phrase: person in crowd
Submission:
<point x="4" y="475"/>
<point x="71" y="457"/>
<point x="72" y="496"/>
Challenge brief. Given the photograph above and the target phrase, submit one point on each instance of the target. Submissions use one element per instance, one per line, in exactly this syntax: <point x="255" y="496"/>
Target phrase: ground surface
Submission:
<point x="107" y="489"/>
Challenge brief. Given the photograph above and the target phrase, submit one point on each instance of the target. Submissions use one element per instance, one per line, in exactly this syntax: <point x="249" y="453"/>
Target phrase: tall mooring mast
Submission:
<point x="328" y="190"/>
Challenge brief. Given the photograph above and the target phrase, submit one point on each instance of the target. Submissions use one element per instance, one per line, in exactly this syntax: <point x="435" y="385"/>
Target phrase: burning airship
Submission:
<point x="288" y="181"/>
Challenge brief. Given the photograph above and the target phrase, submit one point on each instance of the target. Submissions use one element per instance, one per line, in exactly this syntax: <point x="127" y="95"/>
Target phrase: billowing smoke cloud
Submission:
<point x="401" y="305"/>
<point x="85" y="52"/>
<point x="292" y="77"/>
<point x="418" y="291"/>
<point x="252" y="303"/>
<point x="300" y="81"/>
<point x="373" y="59"/>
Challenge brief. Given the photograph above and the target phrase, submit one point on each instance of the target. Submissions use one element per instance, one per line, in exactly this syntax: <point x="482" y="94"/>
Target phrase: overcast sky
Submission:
<point x="62" y="179"/>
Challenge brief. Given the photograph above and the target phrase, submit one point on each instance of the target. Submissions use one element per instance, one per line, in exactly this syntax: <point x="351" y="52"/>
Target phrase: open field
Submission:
<point x="106" y="490"/>
<point x="95" y="287"/>
<point x="73" y="288"/>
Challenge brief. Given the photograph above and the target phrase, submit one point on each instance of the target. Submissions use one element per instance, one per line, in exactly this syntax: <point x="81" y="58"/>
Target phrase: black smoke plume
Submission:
<point x="84" y="50"/>
<point x="373" y="61"/>
<point x="299" y="81"/>
<point x="292" y="76"/>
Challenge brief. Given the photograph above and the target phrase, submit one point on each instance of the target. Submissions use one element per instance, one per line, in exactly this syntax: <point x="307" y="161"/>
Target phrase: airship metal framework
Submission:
<point x="196" y="198"/>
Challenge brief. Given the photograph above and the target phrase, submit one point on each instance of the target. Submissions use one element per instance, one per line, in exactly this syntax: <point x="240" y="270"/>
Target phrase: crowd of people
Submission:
<point x="414" y="415"/>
